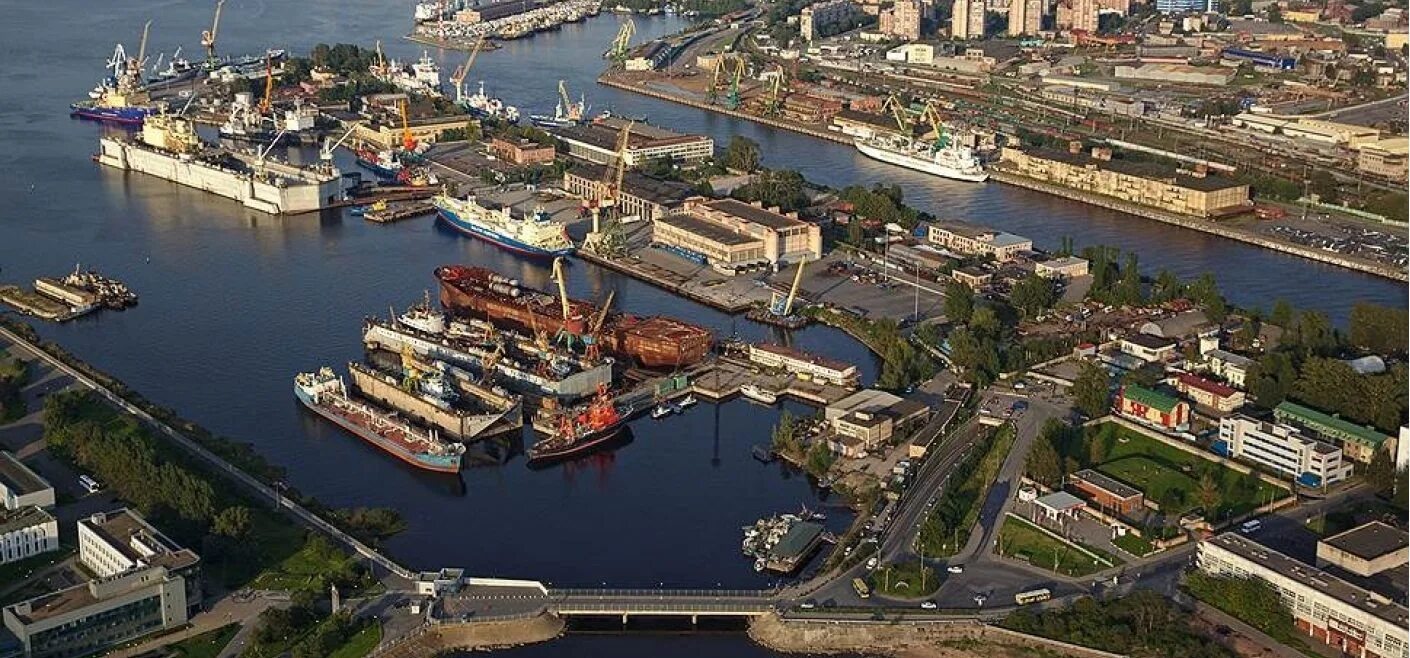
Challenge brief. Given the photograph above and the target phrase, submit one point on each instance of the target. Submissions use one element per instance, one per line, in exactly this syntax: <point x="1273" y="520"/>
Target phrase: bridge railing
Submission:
<point x="639" y="607"/>
<point x="661" y="593"/>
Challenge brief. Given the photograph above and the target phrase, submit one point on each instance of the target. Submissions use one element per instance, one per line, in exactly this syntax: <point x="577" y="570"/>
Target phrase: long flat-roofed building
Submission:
<point x="732" y="234"/>
<point x="641" y="196"/>
<point x="975" y="240"/>
<point x="816" y="368"/>
<point x="1195" y="192"/>
<point x="1328" y="609"/>
<point x="20" y="486"/>
<point x="597" y="142"/>
<point x="1358" y="442"/>
<point x="145" y="584"/>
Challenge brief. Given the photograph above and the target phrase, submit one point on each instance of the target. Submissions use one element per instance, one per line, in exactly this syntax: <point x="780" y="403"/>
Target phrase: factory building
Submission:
<point x="597" y="142"/>
<point x="640" y="196"/>
<point x="1183" y="74"/>
<point x="733" y="235"/>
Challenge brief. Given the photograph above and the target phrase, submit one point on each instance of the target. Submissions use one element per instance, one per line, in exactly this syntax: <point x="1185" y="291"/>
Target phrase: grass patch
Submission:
<point x="1023" y="540"/>
<point x="1170" y="476"/>
<point x="907" y="580"/>
<point x="206" y="645"/>
<point x="947" y="526"/>
<point x="361" y="643"/>
<point x="313" y="567"/>
<point x="1134" y="544"/>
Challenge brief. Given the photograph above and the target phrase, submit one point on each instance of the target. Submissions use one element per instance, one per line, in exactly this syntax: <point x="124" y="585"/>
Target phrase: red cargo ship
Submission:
<point x="654" y="342"/>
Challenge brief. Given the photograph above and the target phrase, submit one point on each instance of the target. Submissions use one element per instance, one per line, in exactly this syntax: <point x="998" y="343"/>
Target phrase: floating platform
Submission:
<point x="395" y="212"/>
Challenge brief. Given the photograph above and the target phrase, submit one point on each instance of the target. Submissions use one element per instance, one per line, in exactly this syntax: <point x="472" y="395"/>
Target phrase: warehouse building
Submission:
<point x="22" y="487"/>
<point x="495" y="11"/>
<point x="1183" y="74"/>
<point x="145" y="584"/>
<point x="733" y="235"/>
<point x="810" y="366"/>
<point x="1328" y="609"/>
<point x="597" y="142"/>
<point x="640" y="195"/>
<point x="974" y="240"/>
<point x="1357" y="442"/>
<point x="1282" y="448"/>
<point x="1187" y="192"/>
<point x="1366" y="550"/>
<point x="522" y="151"/>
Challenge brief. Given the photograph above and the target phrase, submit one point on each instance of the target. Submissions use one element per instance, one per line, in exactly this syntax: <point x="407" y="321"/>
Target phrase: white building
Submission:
<point x="1328" y="609"/>
<point x="1148" y="348"/>
<point x="810" y="366"/>
<point x="22" y="487"/>
<point x="27" y="532"/>
<point x="1232" y="368"/>
<point x="1282" y="448"/>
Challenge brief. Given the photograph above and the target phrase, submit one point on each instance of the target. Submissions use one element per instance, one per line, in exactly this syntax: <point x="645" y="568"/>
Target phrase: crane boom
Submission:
<point x="793" y="292"/>
<point x="562" y="287"/>
<point x="142" y="49"/>
<point x="602" y="314"/>
<point x="620" y="166"/>
<point x="208" y="36"/>
<point x="266" y="102"/>
<point x="407" y="141"/>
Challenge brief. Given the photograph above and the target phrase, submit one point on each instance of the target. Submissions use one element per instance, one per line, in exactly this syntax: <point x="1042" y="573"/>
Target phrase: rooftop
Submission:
<point x="799" y="538"/>
<point x="755" y="214"/>
<point x="1230" y="358"/>
<point x="1148" y="341"/>
<point x="1211" y="387"/>
<point x="867" y="399"/>
<point x="604" y="133"/>
<point x="1313" y="578"/>
<point x="1140" y="169"/>
<point x="1153" y="399"/>
<point x="799" y="355"/>
<point x="1370" y="541"/>
<point x="1106" y="483"/>
<point x="636" y="184"/>
<point x="125" y="530"/>
<point x="24" y="517"/>
<point x="705" y="229"/>
<point x="1069" y="261"/>
<point x="1060" y="501"/>
<point x="18" y="478"/>
<point x="1316" y="418"/>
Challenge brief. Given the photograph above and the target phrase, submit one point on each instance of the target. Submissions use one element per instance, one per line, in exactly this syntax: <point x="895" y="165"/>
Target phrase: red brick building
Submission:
<point x="1152" y="407"/>
<point x="521" y="152"/>
<point x="1106" y="493"/>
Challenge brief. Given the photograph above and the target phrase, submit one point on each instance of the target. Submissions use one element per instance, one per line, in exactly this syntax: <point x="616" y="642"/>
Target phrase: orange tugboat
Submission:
<point x="580" y="430"/>
<point x="654" y="342"/>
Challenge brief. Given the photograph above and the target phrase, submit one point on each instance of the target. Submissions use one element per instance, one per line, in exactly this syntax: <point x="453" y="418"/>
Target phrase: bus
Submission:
<point x="1032" y="596"/>
<point x="89" y="484"/>
<point x="1250" y="526"/>
<point x="861" y="588"/>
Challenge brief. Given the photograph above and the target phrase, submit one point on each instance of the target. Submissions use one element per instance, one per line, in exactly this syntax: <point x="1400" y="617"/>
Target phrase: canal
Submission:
<point x="235" y="303"/>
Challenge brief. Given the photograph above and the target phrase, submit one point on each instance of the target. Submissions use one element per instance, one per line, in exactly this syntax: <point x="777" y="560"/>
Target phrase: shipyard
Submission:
<point x="902" y="329"/>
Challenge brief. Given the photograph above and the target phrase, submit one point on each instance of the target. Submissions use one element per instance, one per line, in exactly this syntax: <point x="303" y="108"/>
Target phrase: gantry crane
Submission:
<point x="622" y="43"/>
<point x="733" y="99"/>
<point x="458" y="77"/>
<point x="208" y="37"/>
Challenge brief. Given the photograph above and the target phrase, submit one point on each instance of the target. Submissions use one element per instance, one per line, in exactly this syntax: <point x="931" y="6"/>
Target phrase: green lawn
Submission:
<point x="1170" y="476"/>
<point x="360" y="644"/>
<point x="1021" y="539"/>
<point x="205" y="645"/>
<point x="1134" y="544"/>
<point x="905" y="580"/>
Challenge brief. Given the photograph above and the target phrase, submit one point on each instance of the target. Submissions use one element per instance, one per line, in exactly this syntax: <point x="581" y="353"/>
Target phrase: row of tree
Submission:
<point x="1142" y="625"/>
<point x="14" y="374"/>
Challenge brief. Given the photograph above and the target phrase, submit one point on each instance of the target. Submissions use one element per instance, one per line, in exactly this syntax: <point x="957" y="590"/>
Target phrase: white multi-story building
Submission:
<point x="1284" y="449"/>
<point x="1328" y="609"/>
<point x="27" y="532"/>
<point x="1232" y="367"/>
<point x="22" y="487"/>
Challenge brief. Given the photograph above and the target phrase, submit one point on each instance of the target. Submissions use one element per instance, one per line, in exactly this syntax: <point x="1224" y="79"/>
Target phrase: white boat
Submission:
<point x="754" y="392"/>
<point x="686" y="402"/>
<point x="661" y="411"/>
<point x="940" y="158"/>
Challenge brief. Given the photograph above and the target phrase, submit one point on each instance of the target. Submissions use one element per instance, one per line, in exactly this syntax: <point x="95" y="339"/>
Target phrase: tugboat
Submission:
<point x="661" y="411"/>
<point x="581" y="430"/>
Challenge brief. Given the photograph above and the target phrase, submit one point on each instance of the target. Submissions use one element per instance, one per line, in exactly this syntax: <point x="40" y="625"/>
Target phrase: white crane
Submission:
<point x="208" y="36"/>
<point x="326" y="153"/>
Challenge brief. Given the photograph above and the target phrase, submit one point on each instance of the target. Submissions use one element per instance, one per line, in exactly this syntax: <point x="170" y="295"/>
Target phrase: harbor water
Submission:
<point x="235" y="302"/>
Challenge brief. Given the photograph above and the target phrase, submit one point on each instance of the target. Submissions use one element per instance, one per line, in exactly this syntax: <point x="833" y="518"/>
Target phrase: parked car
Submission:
<point x="955" y="568"/>
<point x="928" y="605"/>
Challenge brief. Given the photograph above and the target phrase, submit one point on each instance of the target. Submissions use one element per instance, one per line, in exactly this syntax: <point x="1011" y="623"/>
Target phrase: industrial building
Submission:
<point x="1176" y="73"/>
<point x="1283" y="449"/>
<point x="597" y="142"/>
<point x="1366" y="550"/>
<point x="1260" y="59"/>
<point x="26" y="532"/>
<point x="1328" y="609"/>
<point x="494" y="11"/>
<point x="1187" y="192"/>
<point x="522" y="151"/>
<point x="22" y="487"/>
<point x="1152" y="407"/>
<point x="974" y="240"/>
<point x="640" y="195"/>
<point x="145" y="584"/>
<point x="733" y="235"/>
<point x="1359" y="443"/>
<point x="811" y="366"/>
<point x="865" y="420"/>
<point x="1109" y="494"/>
<point x="1385" y="158"/>
<point x="1311" y="130"/>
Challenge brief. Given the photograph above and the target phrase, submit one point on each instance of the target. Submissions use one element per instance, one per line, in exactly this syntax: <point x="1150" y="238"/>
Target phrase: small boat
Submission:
<point x="357" y="211"/>
<point x="686" y="402"/>
<point x="760" y="564"/>
<point x="763" y="454"/>
<point x="758" y="394"/>
<point x="661" y="411"/>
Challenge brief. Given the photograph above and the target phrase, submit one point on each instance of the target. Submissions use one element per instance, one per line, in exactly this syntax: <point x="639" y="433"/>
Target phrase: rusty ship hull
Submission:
<point x="653" y="342"/>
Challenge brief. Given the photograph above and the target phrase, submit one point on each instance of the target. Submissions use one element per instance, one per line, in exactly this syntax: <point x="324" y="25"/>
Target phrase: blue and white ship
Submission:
<point x="535" y="235"/>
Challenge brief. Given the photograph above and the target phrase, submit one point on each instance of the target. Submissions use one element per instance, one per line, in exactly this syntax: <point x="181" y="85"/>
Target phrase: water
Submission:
<point x="234" y="302"/>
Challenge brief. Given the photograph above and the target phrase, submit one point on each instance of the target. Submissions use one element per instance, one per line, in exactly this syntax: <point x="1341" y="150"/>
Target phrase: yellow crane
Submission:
<point x="774" y="100"/>
<point x="898" y="112"/>
<point x="458" y="77"/>
<point x="408" y="142"/>
<point x="781" y="305"/>
<point x="605" y="239"/>
<point x="622" y="43"/>
<point x="931" y="113"/>
<point x="572" y="111"/>
<point x="265" y="104"/>
<point x="562" y="288"/>
<point x="208" y="36"/>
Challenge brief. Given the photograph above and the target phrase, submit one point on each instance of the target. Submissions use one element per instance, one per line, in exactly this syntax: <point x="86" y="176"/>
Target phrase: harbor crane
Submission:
<point x="458" y="77"/>
<point x="781" y="305"/>
<point x="592" y="339"/>
<point x="572" y="111"/>
<point x="137" y="64"/>
<point x="208" y="37"/>
<point x="574" y="326"/>
<point x="774" y="101"/>
<point x="713" y="93"/>
<point x="733" y="99"/>
<point x="606" y="238"/>
<point x="266" y="103"/>
<point x="898" y="112"/>
<point x="408" y="142"/>
<point x="622" y="43"/>
<point x="326" y="153"/>
<point x="931" y="113"/>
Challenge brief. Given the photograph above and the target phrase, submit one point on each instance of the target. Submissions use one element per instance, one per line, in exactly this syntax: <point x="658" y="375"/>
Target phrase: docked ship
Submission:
<point x="168" y="147"/>
<point x="939" y="158"/>
<point x="578" y="431"/>
<point x="384" y="163"/>
<point x="323" y="393"/>
<point x="535" y="235"/>
<point x="426" y="392"/>
<point x="119" y="98"/>
<point x="654" y="342"/>
<point x="483" y="106"/>
<point x="245" y="123"/>
<point x="178" y="70"/>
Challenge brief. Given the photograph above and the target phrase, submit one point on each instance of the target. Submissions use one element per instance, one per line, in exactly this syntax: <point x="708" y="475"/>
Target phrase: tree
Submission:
<point x="1033" y="295"/>
<point x="1282" y="315"/>
<point x="976" y="356"/>
<point x="1379" y="329"/>
<point x="959" y="302"/>
<point x="1275" y="13"/>
<point x="1092" y="390"/>
<point x="742" y="154"/>
<point x="1324" y="185"/>
<point x="1314" y="333"/>
<point x="232" y="522"/>
<point x="1044" y="464"/>
<point x="1380" y="473"/>
<point x="1207" y="493"/>
<point x="985" y="324"/>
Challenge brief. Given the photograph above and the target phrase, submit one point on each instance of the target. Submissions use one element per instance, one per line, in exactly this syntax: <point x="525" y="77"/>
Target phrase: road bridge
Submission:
<point x="693" y="603"/>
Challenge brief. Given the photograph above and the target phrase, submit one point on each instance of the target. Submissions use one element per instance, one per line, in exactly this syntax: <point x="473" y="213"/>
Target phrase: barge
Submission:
<point x="323" y="393"/>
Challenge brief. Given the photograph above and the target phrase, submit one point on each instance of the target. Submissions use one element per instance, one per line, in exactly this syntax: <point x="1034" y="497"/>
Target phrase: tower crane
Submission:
<point x="208" y="36"/>
<point x="458" y="77"/>
<point x="408" y="142"/>
<point x="622" y="43"/>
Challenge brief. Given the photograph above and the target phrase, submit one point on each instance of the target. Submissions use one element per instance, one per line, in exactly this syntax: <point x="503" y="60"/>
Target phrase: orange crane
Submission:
<point x="407" y="141"/>
<point x="265" y="104"/>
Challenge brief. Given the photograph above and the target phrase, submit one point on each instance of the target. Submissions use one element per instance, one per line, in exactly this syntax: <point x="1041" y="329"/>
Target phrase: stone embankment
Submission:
<point x="958" y="638"/>
<point x="435" y="639"/>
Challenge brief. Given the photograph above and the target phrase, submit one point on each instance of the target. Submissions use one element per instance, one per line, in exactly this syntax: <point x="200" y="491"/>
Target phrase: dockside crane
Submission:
<point x="592" y="338"/>
<point x="773" y="103"/>
<point x="408" y="142"/>
<point x="781" y="305"/>
<point x="931" y="113"/>
<point x="266" y="103"/>
<point x="574" y="326"/>
<point x="208" y="37"/>
<point x="899" y="113"/>
<point x="141" y="60"/>
<point x="606" y="237"/>
<point x="622" y="43"/>
<point x="713" y="93"/>
<point x="572" y="111"/>
<point x="733" y="99"/>
<point x="326" y="153"/>
<point x="458" y="77"/>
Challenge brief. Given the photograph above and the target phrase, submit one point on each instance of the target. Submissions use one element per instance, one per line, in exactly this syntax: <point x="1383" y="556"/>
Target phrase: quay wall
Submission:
<point x="435" y="639"/>
<point x="820" y="133"/>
